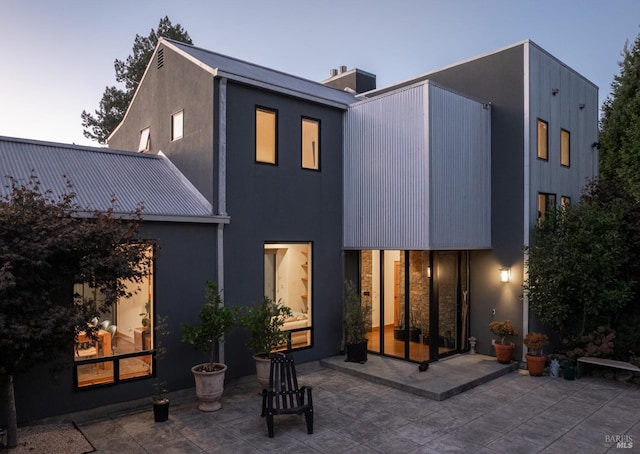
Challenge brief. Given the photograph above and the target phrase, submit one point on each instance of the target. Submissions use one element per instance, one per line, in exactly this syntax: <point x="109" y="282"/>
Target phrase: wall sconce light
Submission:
<point x="554" y="91"/>
<point x="429" y="272"/>
<point x="505" y="274"/>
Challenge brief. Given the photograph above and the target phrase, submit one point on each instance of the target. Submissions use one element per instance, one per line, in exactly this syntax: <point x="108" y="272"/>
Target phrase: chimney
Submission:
<point x="357" y="80"/>
<point x="333" y="72"/>
<point x="343" y="69"/>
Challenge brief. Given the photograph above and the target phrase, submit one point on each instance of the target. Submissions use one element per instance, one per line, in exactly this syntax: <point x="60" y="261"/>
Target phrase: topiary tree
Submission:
<point x="47" y="244"/>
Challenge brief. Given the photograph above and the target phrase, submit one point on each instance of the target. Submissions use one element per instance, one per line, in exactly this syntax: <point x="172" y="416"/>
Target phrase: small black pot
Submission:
<point x="161" y="410"/>
<point x="357" y="353"/>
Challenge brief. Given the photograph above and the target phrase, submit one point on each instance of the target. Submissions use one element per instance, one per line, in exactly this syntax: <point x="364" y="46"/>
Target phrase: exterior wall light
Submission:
<point x="505" y="274"/>
<point x="429" y="272"/>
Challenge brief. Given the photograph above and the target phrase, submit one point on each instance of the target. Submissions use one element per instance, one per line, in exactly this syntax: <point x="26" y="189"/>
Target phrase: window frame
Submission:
<point x="113" y="362"/>
<point x="317" y="123"/>
<point x="542" y="154"/>
<point x="550" y="201"/>
<point x="306" y="276"/>
<point x="145" y="136"/>
<point x="274" y="112"/>
<point x="174" y="116"/>
<point x="565" y="152"/>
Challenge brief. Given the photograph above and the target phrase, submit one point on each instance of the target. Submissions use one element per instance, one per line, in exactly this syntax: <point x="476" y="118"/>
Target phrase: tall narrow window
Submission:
<point x="266" y="137"/>
<point x="177" y="125"/>
<point x="565" y="149"/>
<point x="543" y="140"/>
<point x="310" y="144"/>
<point x="546" y="202"/>
<point x="288" y="278"/>
<point x="144" y="140"/>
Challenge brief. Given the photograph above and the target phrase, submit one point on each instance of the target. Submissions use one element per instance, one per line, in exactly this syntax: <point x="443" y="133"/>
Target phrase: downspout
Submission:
<point x="527" y="189"/>
<point x="222" y="185"/>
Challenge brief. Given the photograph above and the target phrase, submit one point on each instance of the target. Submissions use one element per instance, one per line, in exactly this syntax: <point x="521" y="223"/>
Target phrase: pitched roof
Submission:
<point x="98" y="174"/>
<point x="252" y="74"/>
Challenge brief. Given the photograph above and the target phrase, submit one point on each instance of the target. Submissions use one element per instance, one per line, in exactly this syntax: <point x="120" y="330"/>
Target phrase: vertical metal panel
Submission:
<point x="417" y="171"/>
<point x="460" y="157"/>
<point x="574" y="107"/>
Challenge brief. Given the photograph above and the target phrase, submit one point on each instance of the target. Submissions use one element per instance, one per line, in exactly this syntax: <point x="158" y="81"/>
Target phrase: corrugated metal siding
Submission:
<point x="98" y="173"/>
<point x="460" y="156"/>
<point x="388" y="182"/>
<point x="561" y="111"/>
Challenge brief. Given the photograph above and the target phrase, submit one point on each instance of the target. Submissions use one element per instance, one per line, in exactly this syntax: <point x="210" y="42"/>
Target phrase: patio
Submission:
<point x="512" y="413"/>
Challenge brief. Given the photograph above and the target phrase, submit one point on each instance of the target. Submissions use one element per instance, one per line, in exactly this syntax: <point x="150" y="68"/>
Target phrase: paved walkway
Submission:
<point x="514" y="413"/>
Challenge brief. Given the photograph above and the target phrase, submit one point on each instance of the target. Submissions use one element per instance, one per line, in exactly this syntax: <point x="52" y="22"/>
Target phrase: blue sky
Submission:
<point x="57" y="56"/>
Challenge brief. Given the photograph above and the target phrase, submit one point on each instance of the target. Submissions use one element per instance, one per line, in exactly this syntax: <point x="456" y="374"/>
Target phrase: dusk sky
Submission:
<point x="57" y="56"/>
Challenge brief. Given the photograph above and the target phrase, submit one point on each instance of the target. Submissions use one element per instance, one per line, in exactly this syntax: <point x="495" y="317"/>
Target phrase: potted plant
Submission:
<point x="215" y="321"/>
<point x="264" y="323"/>
<point x="146" y="324"/>
<point x="160" y="400"/>
<point x="535" y="342"/>
<point x="357" y="323"/>
<point x="504" y="330"/>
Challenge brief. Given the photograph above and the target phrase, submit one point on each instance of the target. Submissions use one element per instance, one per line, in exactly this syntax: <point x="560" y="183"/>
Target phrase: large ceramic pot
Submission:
<point x="535" y="364"/>
<point x="209" y="386"/>
<point x="357" y="352"/>
<point x="263" y="366"/>
<point x="504" y="352"/>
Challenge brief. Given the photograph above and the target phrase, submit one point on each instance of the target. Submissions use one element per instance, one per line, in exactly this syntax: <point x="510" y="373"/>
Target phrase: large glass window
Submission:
<point x="120" y="349"/>
<point x="266" y="137"/>
<point x="287" y="279"/>
<point x="565" y="148"/>
<point x="310" y="144"/>
<point x="145" y="140"/>
<point x="543" y="140"/>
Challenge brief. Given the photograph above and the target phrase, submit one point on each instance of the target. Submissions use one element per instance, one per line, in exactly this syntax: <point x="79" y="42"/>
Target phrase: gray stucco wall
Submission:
<point x="178" y="85"/>
<point x="179" y="290"/>
<point x="283" y="203"/>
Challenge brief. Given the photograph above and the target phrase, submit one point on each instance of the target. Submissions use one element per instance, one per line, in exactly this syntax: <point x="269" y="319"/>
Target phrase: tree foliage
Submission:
<point x="129" y="72"/>
<point x="583" y="266"/>
<point x="620" y="123"/>
<point x="47" y="244"/>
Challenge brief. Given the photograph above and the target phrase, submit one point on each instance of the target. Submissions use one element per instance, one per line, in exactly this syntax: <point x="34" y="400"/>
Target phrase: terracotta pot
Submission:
<point x="535" y="364"/>
<point x="504" y="352"/>
<point x="209" y="387"/>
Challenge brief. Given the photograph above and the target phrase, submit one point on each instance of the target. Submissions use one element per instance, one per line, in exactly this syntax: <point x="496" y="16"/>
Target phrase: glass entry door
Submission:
<point x="416" y="299"/>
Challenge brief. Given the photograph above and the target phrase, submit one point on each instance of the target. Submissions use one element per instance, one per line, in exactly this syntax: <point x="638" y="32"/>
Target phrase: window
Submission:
<point x="310" y="144"/>
<point x="565" y="201"/>
<point x="124" y="336"/>
<point x="287" y="278"/>
<point x="565" y="147"/>
<point x="145" y="140"/>
<point x="266" y="127"/>
<point x="543" y="140"/>
<point x="546" y="202"/>
<point x="177" y="125"/>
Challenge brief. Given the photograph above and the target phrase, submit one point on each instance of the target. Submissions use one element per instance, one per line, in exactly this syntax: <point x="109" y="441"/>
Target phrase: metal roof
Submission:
<point x="250" y="73"/>
<point x="98" y="174"/>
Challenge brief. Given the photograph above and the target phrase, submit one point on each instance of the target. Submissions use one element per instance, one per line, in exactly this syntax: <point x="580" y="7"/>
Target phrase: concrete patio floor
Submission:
<point x="514" y="413"/>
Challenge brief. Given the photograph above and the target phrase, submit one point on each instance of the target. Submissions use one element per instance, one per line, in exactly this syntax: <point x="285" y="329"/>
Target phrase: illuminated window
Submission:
<point x="125" y="330"/>
<point x="565" y="150"/>
<point x="144" y="140"/>
<point x="310" y="144"/>
<point x="543" y="140"/>
<point x="565" y="201"/>
<point x="177" y="125"/>
<point x="266" y="137"/>
<point x="546" y="202"/>
<point x="287" y="279"/>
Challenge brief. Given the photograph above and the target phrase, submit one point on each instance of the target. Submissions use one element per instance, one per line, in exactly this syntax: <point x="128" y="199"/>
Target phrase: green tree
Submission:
<point x="620" y="123"/>
<point x="129" y="72"/>
<point x="584" y="263"/>
<point x="47" y="244"/>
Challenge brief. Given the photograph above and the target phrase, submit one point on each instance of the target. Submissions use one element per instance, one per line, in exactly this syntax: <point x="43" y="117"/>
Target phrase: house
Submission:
<point x="423" y="193"/>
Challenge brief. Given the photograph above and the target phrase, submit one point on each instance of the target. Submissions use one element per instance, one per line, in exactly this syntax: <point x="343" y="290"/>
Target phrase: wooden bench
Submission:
<point x="603" y="362"/>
